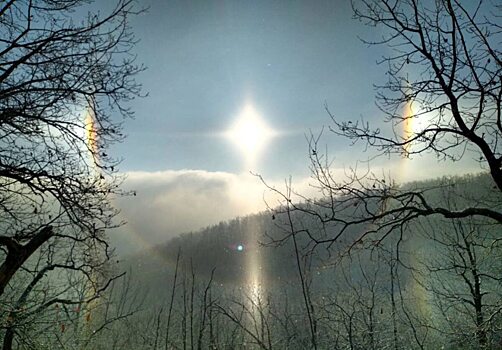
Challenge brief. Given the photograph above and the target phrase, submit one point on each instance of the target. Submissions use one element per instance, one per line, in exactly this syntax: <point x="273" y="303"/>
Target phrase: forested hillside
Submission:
<point x="436" y="283"/>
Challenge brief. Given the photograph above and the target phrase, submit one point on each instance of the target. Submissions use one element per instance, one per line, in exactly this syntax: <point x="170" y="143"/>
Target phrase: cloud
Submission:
<point x="172" y="202"/>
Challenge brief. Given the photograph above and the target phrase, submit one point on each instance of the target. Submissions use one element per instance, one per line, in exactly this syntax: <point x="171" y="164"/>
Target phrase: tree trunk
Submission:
<point x="16" y="256"/>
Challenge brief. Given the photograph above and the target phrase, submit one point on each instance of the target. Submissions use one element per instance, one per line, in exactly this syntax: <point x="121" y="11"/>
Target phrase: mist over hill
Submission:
<point x="225" y="249"/>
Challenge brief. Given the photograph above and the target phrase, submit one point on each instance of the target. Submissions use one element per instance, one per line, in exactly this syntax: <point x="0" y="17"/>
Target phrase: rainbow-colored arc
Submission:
<point x="408" y="116"/>
<point x="410" y="124"/>
<point x="91" y="134"/>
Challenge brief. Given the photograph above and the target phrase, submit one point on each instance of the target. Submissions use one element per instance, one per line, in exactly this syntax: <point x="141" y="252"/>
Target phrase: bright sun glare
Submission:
<point x="416" y="121"/>
<point x="250" y="133"/>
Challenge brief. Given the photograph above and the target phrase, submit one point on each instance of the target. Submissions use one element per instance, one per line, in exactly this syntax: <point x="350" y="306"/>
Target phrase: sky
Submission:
<point x="207" y="59"/>
<point x="210" y="61"/>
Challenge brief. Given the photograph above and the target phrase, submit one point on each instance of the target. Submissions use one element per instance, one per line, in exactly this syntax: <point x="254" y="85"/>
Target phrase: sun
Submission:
<point x="250" y="133"/>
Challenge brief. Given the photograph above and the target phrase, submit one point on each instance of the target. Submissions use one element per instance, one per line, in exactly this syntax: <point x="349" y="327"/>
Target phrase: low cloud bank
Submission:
<point x="170" y="202"/>
<point x="176" y="201"/>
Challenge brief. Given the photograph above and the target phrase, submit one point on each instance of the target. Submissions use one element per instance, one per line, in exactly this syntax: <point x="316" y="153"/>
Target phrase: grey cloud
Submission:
<point x="172" y="202"/>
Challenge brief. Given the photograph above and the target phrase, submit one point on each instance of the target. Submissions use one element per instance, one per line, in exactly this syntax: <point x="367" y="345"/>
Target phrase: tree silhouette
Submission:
<point x="444" y="79"/>
<point x="66" y="74"/>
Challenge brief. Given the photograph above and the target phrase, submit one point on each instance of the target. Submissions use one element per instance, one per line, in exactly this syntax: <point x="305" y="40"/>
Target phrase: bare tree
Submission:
<point x="44" y="291"/>
<point x="66" y="76"/>
<point x="444" y="78"/>
<point x="443" y="97"/>
<point x="459" y="268"/>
